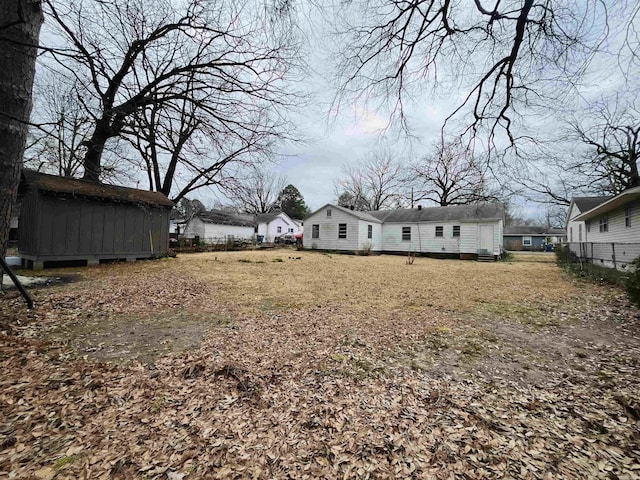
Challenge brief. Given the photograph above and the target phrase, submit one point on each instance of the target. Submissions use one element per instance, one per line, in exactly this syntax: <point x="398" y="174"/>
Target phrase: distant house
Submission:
<point x="177" y="223"/>
<point x="576" y="229"/>
<point x="14" y="222"/>
<point x="531" y="238"/>
<point x="71" y="220"/>
<point x="271" y="225"/>
<point x="464" y="231"/>
<point x="216" y="226"/>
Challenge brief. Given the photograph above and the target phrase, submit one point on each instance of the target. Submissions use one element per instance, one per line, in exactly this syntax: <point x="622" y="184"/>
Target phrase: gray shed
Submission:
<point x="71" y="220"/>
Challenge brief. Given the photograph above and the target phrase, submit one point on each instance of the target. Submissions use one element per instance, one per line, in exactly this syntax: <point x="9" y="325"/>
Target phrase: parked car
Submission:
<point x="286" y="238"/>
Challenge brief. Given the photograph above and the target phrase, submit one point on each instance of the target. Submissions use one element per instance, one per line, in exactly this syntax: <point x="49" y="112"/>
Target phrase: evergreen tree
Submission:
<point x="292" y="202"/>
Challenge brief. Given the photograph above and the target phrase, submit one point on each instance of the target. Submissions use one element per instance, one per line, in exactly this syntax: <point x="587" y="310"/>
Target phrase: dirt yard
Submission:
<point x="287" y="364"/>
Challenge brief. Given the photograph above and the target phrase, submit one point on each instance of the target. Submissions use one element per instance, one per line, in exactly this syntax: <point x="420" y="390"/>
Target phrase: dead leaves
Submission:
<point x="298" y="386"/>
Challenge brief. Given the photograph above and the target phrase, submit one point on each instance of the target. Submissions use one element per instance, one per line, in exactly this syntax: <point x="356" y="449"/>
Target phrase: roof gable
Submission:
<point x="366" y="216"/>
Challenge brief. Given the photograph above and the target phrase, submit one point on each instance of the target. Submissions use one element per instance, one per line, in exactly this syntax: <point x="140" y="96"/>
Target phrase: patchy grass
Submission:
<point x="255" y="364"/>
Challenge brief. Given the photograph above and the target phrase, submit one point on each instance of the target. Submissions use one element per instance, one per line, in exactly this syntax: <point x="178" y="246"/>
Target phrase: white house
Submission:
<point x="216" y="226"/>
<point x="271" y="225"/>
<point x="576" y="229"/>
<point x="464" y="231"/>
<point x="612" y="230"/>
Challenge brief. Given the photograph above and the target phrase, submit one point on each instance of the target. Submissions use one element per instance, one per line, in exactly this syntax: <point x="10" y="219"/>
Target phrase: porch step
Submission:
<point x="486" y="258"/>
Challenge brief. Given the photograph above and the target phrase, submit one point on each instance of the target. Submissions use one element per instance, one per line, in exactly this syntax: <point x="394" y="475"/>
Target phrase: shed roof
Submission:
<point x="479" y="211"/>
<point x="223" y="218"/>
<point x="84" y="188"/>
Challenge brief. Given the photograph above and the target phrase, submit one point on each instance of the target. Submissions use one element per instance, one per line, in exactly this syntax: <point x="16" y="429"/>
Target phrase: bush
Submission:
<point x="563" y="255"/>
<point x="633" y="282"/>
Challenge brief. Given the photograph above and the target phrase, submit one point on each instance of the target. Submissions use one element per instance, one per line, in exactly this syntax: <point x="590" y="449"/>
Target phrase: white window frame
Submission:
<point x="315" y="230"/>
<point x="441" y="227"/>
<point x="328" y="212"/>
<point x="279" y="229"/>
<point x="369" y="231"/>
<point x="525" y="240"/>
<point x="342" y="234"/>
<point x="406" y="234"/>
<point x="454" y="232"/>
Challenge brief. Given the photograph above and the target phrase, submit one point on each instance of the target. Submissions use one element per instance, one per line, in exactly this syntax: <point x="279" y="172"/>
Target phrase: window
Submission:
<point x="604" y="224"/>
<point x="279" y="229"/>
<point x="526" y="241"/>
<point x="627" y="216"/>
<point x="342" y="230"/>
<point x="571" y="234"/>
<point x="439" y="231"/>
<point x="328" y="212"/>
<point x="406" y="234"/>
<point x="369" y="231"/>
<point x="315" y="231"/>
<point x="456" y="230"/>
<point x="587" y="225"/>
<point x="580" y="232"/>
<point x="291" y="230"/>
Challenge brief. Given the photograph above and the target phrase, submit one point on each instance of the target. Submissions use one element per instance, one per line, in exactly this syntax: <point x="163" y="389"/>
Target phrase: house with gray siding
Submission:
<point x="612" y="225"/>
<point x="463" y="231"/>
<point x="71" y="220"/>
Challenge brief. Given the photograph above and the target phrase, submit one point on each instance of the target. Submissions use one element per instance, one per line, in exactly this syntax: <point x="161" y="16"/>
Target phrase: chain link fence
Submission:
<point x="611" y="255"/>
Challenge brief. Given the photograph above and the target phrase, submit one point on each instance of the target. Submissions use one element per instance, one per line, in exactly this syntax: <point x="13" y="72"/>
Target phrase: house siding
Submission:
<point x="617" y="232"/>
<point x="375" y="243"/>
<point x="574" y="227"/>
<point x="328" y="238"/>
<point x="423" y="237"/>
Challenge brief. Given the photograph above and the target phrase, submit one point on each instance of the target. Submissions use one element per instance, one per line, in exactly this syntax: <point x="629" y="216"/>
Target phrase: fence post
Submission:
<point x="613" y="255"/>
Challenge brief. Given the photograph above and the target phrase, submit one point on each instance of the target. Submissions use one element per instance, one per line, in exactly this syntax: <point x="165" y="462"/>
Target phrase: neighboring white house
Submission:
<point x="271" y="225"/>
<point x="461" y="230"/>
<point x="611" y="230"/>
<point x="216" y="226"/>
<point x="576" y="229"/>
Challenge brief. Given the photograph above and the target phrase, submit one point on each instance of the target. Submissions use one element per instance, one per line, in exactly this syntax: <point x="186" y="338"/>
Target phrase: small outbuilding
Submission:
<point x="273" y="224"/>
<point x="66" y="220"/>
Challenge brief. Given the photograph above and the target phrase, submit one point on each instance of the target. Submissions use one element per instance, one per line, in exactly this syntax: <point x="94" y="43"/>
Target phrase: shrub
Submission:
<point x="633" y="282"/>
<point x="563" y="255"/>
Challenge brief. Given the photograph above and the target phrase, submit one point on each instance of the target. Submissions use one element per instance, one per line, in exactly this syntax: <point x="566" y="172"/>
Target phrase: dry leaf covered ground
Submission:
<point x="286" y="364"/>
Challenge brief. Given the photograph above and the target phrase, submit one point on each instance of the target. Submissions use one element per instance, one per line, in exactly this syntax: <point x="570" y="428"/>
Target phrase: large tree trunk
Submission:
<point x="20" y="22"/>
<point x="95" y="149"/>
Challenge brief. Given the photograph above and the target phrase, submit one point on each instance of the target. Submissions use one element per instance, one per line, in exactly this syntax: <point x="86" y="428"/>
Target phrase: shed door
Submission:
<point x="486" y="238"/>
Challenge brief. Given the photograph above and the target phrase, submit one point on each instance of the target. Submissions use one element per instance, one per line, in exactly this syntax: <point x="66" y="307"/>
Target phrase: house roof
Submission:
<point x="479" y="211"/>
<point x="223" y="218"/>
<point x="610" y="204"/>
<point x="84" y="188"/>
<point x="268" y="217"/>
<point x="587" y="203"/>
<point x="533" y="231"/>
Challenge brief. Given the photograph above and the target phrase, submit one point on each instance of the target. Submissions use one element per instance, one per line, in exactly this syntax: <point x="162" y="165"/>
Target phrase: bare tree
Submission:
<point x="612" y="136"/>
<point x="182" y="73"/>
<point x="256" y="191"/>
<point x="506" y="55"/>
<point x="376" y="183"/>
<point x="61" y="126"/>
<point x="20" y="22"/>
<point x="451" y="175"/>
